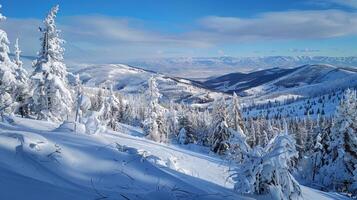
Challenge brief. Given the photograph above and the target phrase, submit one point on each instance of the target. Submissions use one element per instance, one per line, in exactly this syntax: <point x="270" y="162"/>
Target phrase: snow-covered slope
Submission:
<point x="271" y="84"/>
<point x="111" y="165"/>
<point x="50" y="163"/>
<point x="324" y="105"/>
<point x="307" y="81"/>
<point x="128" y="79"/>
<point x="238" y="82"/>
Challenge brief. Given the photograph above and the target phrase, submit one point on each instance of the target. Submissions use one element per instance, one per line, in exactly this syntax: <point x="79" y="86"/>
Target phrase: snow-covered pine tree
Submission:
<point x="266" y="172"/>
<point x="260" y="134"/>
<point x="129" y="114"/>
<point x="110" y="111"/>
<point x="97" y="100"/>
<point x="338" y="171"/>
<point x="8" y="81"/>
<point x="235" y="115"/>
<point x="317" y="151"/>
<point x="185" y="127"/>
<point x="22" y="93"/>
<point x="153" y="125"/>
<point x="271" y="131"/>
<point x="221" y="133"/>
<point x="301" y="133"/>
<point x="83" y="104"/>
<point x="52" y="96"/>
<point x="263" y="141"/>
<point x="182" y="136"/>
<point x="202" y="127"/>
<point x="171" y="122"/>
<point x="251" y="131"/>
<point x="310" y="136"/>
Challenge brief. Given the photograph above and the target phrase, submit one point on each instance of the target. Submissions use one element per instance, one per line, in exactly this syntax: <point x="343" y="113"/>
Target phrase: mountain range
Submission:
<point x="278" y="83"/>
<point x="203" y="67"/>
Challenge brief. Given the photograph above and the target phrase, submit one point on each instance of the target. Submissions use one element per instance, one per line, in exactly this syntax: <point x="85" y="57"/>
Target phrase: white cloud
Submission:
<point x="110" y="39"/>
<point x="283" y="25"/>
<point x="348" y="3"/>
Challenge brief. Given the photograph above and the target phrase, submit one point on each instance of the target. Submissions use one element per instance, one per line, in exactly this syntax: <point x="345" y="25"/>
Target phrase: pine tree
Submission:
<point x="22" y="93"/>
<point x="341" y="156"/>
<point x="52" y="97"/>
<point x="83" y="104"/>
<point x="202" y="128"/>
<point x="171" y="122"/>
<point x="110" y="111"/>
<point x="301" y="133"/>
<point x="251" y="133"/>
<point x="235" y="115"/>
<point x="182" y="137"/>
<point x="184" y="123"/>
<point x="8" y="81"/>
<point x="221" y="133"/>
<point x="266" y="172"/>
<point x="153" y="125"/>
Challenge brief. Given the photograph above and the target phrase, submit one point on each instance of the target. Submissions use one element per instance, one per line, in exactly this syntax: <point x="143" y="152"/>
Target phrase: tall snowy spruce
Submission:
<point x="153" y="124"/>
<point x="235" y="115"/>
<point x="339" y="170"/>
<point x="221" y="133"/>
<point x="266" y="171"/>
<point x="171" y="122"/>
<point x="111" y="111"/>
<point x="186" y="131"/>
<point x="52" y="96"/>
<point x="22" y="93"/>
<point x="238" y="146"/>
<point x="8" y="82"/>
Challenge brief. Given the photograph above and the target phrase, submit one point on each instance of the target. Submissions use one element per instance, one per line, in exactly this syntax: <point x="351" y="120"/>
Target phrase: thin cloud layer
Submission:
<point x="99" y="38"/>
<point x="349" y="3"/>
<point x="284" y="25"/>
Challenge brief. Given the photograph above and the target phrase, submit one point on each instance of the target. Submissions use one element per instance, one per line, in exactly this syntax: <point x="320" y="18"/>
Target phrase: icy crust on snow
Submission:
<point x="46" y="162"/>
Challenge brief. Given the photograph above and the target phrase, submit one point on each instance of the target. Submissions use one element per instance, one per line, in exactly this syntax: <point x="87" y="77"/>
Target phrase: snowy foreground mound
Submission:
<point x="41" y="161"/>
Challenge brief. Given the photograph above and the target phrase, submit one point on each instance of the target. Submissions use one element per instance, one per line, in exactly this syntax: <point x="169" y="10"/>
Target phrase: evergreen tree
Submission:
<point x="221" y="133"/>
<point x="22" y="93"/>
<point x="83" y="105"/>
<point x="52" y="97"/>
<point x="8" y="81"/>
<point x="234" y="114"/>
<point x="182" y="137"/>
<point x="266" y="171"/>
<point x="251" y="133"/>
<point x="171" y="122"/>
<point x="340" y="161"/>
<point x="110" y="111"/>
<point x="153" y="125"/>
<point x="186" y="127"/>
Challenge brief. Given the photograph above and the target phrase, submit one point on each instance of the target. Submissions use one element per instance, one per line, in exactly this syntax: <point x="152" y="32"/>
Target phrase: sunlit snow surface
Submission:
<point x="38" y="162"/>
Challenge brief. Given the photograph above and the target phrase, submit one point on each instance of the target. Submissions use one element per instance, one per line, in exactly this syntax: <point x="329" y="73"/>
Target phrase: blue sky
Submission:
<point x="107" y="31"/>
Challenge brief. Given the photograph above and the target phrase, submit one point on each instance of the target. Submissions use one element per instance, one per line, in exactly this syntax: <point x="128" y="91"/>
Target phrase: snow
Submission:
<point x="50" y="163"/>
<point x="132" y="80"/>
<point x="307" y="81"/>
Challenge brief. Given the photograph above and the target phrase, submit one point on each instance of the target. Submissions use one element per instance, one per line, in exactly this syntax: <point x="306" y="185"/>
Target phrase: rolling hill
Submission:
<point x="132" y="80"/>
